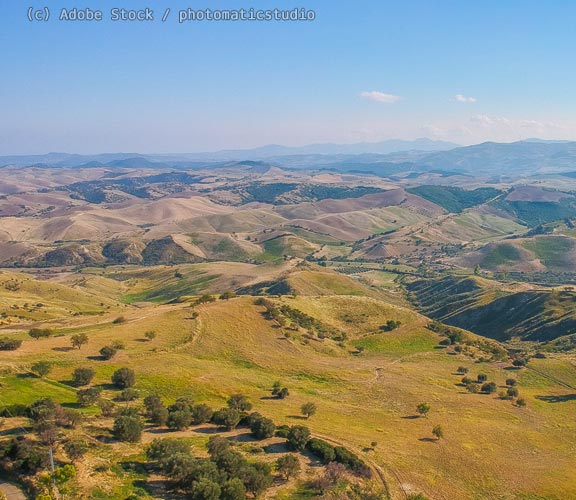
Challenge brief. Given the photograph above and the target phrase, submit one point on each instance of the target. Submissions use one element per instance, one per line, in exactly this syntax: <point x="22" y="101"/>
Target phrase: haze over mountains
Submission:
<point x="529" y="157"/>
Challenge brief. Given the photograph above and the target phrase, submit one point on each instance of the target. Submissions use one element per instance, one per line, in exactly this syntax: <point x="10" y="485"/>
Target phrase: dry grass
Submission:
<point x="491" y="449"/>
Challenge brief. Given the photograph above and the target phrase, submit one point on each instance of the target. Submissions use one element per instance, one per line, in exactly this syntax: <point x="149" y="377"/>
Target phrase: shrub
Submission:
<point x="124" y="378"/>
<point x="438" y="432"/>
<point x="239" y="402"/>
<point x="279" y="391"/>
<point x="82" y="376"/>
<point x="519" y="363"/>
<point x="119" y="320"/>
<point x="159" y="416"/>
<point x="390" y="325"/>
<point x="39" y="333"/>
<point x="482" y="377"/>
<point x="233" y="489"/>
<point x="150" y="335"/>
<point x="217" y="445"/>
<point x="10" y="344"/>
<point x="228" y="418"/>
<point x="75" y="449"/>
<point x="511" y="382"/>
<point x="205" y="299"/>
<point x="128" y="395"/>
<point x="282" y="431"/>
<point x="118" y="345"/>
<point x="257" y="478"/>
<point x="423" y="409"/>
<point x="283" y="393"/>
<point x="262" y="428"/>
<point x="183" y="404"/>
<point x="489" y="387"/>
<point x="204" y="489"/>
<point x="88" y="397"/>
<point x="27" y="456"/>
<point x="128" y="429"/>
<point x="473" y="388"/>
<point x="108" y="352"/>
<point x="462" y="370"/>
<point x="42" y="368"/>
<point x="351" y="461"/>
<point x="161" y="449"/>
<point x="152" y="402"/>
<point x="179" y="420"/>
<point x="106" y="407"/>
<point x="512" y="392"/>
<point x="298" y="437"/>
<point x="321" y="449"/>
<point x="201" y="414"/>
<point x="521" y="402"/>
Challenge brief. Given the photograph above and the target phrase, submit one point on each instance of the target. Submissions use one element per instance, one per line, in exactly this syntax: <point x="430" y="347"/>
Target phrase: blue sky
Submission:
<point x="363" y="71"/>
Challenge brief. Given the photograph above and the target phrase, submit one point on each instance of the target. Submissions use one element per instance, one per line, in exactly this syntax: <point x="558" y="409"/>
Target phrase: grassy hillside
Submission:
<point x="486" y="308"/>
<point x="362" y="396"/>
<point x="455" y="199"/>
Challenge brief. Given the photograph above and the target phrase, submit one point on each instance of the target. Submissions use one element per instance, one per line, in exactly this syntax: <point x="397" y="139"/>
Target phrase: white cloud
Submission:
<point x="463" y="98"/>
<point x="480" y="128"/>
<point x="380" y="97"/>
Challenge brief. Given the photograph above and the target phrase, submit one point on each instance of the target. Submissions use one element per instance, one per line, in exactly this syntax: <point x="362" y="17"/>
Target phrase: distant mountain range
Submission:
<point x="262" y="153"/>
<point x="386" y="158"/>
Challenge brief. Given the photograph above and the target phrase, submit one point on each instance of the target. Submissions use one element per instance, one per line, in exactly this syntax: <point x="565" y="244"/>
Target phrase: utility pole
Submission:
<point x="57" y="493"/>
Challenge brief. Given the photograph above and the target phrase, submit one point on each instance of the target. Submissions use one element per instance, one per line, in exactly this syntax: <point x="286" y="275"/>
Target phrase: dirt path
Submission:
<point x="12" y="492"/>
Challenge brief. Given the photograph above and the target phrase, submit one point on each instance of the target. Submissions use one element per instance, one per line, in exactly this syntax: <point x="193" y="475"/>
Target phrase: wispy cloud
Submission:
<point x="380" y="97"/>
<point x="479" y="128"/>
<point x="463" y="98"/>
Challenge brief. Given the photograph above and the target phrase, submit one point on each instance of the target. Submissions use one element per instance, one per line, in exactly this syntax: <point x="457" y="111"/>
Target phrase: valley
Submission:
<point x="364" y="295"/>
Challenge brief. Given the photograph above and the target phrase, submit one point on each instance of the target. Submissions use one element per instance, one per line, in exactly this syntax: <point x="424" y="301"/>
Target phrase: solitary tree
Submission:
<point x="288" y="466"/>
<point x="42" y="368"/>
<point x="482" y="377"/>
<point x="423" y="409"/>
<point x="108" y="352"/>
<point x="308" y="409"/>
<point x="123" y="378"/>
<point x="39" y="333"/>
<point x="82" y="376"/>
<point x="438" y="432"/>
<point x="512" y="392"/>
<point x="79" y="340"/>
<point x="150" y="335"/>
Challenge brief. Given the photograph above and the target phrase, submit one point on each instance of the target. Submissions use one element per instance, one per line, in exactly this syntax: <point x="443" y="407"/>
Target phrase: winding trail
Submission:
<point x="11" y="491"/>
